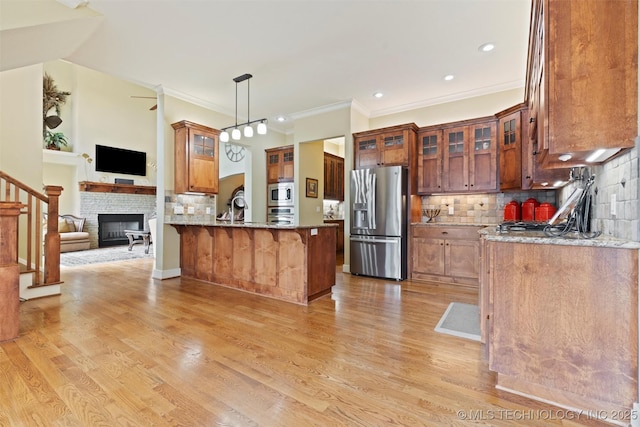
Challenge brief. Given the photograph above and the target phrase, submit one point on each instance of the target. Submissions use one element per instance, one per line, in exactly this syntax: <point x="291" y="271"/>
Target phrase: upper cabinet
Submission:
<point x="582" y="79"/>
<point x="458" y="157"/>
<point x="470" y="157"/>
<point x="392" y="146"/>
<point x="510" y="148"/>
<point x="333" y="177"/>
<point x="429" y="160"/>
<point x="279" y="164"/>
<point x="196" y="158"/>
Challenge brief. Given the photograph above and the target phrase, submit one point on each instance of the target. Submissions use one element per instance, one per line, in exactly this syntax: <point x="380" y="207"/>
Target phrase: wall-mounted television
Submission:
<point x="120" y="160"/>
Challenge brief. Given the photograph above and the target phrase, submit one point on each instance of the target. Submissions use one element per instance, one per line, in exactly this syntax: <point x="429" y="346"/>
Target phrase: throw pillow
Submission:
<point x="63" y="227"/>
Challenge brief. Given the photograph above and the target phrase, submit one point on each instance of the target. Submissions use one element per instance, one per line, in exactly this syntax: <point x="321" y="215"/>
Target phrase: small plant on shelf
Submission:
<point x="54" y="140"/>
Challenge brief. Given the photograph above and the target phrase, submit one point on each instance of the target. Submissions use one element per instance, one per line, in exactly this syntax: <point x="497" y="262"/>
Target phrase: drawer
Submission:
<point x="446" y="232"/>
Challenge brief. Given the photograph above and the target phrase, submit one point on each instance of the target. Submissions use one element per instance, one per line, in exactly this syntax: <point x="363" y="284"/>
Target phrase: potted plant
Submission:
<point x="54" y="140"/>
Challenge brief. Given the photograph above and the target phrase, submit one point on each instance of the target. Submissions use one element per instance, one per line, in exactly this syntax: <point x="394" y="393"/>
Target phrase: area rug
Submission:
<point x="460" y="320"/>
<point x="110" y="254"/>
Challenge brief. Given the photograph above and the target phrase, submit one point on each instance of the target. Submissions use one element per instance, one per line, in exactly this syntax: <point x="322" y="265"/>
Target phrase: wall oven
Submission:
<point x="280" y="194"/>
<point x="280" y="215"/>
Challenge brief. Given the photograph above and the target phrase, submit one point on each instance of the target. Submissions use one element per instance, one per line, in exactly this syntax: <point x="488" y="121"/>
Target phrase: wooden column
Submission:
<point x="52" y="239"/>
<point x="9" y="271"/>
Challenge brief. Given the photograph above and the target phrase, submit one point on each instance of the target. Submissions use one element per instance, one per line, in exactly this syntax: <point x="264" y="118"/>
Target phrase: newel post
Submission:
<point x="9" y="271"/>
<point x="52" y="239"/>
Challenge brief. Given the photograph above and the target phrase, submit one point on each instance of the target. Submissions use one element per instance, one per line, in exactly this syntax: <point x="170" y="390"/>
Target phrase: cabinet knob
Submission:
<point x="445" y="232"/>
<point x="532" y="119"/>
<point x="527" y="177"/>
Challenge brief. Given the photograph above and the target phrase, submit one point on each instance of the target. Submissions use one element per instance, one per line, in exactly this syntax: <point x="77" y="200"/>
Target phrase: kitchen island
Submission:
<point x="560" y="318"/>
<point x="287" y="262"/>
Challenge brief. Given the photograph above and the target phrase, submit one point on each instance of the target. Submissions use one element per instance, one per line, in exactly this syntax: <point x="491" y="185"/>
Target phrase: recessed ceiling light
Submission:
<point x="378" y="95"/>
<point x="281" y="118"/>
<point x="487" y="47"/>
<point x="448" y="77"/>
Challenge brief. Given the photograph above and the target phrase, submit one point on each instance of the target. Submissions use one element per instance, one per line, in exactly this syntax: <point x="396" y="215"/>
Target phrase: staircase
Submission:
<point x="38" y="252"/>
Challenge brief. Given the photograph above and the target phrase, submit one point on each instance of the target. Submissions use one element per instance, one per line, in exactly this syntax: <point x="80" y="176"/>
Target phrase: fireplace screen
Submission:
<point x="111" y="228"/>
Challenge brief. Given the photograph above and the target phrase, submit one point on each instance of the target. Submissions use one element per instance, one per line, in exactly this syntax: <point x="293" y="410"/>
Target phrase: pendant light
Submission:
<point x="236" y="135"/>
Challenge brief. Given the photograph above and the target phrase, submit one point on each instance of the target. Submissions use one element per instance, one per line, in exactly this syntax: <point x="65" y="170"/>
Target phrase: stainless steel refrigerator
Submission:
<point x="378" y="238"/>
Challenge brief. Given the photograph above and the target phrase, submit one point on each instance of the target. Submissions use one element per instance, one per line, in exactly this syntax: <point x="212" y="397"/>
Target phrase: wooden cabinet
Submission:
<point x="392" y="146"/>
<point x="339" y="233"/>
<point x="581" y="89"/>
<point x="534" y="175"/>
<point x="333" y="177"/>
<point x="571" y="342"/>
<point x="430" y="160"/>
<point x="445" y="253"/>
<point x="510" y="149"/>
<point x="196" y="158"/>
<point x="470" y="157"/>
<point x="279" y="164"/>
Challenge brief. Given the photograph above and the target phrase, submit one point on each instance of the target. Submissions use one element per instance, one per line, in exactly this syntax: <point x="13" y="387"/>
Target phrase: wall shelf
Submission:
<point x="102" y="187"/>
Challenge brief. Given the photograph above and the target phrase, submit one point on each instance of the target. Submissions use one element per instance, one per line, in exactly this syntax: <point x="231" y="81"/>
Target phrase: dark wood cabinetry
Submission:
<point x="392" y="146"/>
<point x="279" y="164"/>
<point x="333" y="177"/>
<point x="196" y="158"/>
<point x="510" y="149"/>
<point x="430" y="160"/>
<point x="581" y="88"/>
<point x="470" y="157"/>
<point x="445" y="253"/>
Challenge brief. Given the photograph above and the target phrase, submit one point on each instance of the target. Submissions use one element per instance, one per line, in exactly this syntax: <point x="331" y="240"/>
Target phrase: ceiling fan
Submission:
<point x="147" y="97"/>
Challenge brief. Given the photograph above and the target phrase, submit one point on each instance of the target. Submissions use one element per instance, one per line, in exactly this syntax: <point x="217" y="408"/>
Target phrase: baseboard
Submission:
<point x="346" y="268"/>
<point x="166" y="274"/>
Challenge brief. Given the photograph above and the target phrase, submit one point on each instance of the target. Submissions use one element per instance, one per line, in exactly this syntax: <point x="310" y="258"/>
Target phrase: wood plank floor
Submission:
<point x="119" y="348"/>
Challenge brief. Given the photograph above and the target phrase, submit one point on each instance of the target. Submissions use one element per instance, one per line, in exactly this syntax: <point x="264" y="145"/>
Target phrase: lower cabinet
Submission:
<point x="445" y="253"/>
<point x="339" y="233"/>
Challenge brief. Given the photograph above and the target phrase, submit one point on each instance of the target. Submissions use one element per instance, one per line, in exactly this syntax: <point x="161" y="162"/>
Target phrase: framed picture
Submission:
<point x="312" y="187"/>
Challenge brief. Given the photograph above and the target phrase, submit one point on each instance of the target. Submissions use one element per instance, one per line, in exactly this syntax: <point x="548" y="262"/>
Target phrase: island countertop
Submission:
<point x="241" y="224"/>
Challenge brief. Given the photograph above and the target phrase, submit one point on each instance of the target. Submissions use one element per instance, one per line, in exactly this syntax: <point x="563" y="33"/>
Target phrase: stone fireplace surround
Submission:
<point x="93" y="203"/>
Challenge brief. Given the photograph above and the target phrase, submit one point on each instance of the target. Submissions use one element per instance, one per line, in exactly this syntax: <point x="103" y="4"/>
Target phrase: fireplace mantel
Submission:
<point x="102" y="187"/>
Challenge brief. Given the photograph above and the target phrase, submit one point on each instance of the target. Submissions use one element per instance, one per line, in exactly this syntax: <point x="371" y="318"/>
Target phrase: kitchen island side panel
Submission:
<point x="564" y="323"/>
<point x="294" y="264"/>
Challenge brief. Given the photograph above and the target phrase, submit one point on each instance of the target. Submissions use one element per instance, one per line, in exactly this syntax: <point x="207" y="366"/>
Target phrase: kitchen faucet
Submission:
<point x="244" y="206"/>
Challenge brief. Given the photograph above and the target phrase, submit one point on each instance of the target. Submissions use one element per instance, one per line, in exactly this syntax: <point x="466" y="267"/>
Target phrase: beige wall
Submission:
<point x="311" y="156"/>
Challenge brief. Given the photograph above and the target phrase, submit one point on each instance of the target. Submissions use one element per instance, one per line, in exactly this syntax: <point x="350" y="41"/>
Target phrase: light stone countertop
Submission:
<point x="450" y="224"/>
<point x="540" y="238"/>
<point x="217" y="223"/>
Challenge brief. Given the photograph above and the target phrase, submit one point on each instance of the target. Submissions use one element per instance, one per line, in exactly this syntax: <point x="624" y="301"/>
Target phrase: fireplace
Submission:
<point x="111" y="228"/>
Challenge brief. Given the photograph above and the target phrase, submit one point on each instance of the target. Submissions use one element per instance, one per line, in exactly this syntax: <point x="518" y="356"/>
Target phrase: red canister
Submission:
<point x="529" y="209"/>
<point x="545" y="212"/>
<point x="512" y="211"/>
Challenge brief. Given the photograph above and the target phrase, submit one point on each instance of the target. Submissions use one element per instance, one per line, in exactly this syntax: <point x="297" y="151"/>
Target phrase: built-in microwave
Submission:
<point x="280" y="194"/>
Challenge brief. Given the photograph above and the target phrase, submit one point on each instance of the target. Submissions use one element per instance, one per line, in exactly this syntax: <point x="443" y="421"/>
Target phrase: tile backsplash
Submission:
<point x="480" y="209"/>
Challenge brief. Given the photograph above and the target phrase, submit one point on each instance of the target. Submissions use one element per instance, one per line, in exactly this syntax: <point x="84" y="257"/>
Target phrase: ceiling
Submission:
<point x="305" y="56"/>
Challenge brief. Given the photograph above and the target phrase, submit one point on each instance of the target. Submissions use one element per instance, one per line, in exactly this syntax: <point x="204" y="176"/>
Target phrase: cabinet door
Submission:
<point x="367" y="152"/>
<point x="203" y="164"/>
<point x="509" y="138"/>
<point x="455" y="160"/>
<point x="483" y="157"/>
<point x="286" y="168"/>
<point x="339" y="179"/>
<point x="395" y="149"/>
<point x="462" y="258"/>
<point x="273" y="166"/>
<point x="430" y="162"/>
<point x="328" y="177"/>
<point x="428" y="256"/>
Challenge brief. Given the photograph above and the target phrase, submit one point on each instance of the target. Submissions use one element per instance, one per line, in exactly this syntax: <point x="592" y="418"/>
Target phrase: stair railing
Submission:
<point x="31" y="246"/>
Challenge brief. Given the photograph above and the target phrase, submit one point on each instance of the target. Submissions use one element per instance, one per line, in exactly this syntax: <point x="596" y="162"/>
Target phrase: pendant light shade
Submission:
<point x="248" y="129"/>
<point x="262" y="128"/>
<point x="224" y="136"/>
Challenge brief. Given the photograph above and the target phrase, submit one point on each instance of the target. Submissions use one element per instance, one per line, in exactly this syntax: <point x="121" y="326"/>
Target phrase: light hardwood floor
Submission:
<point x="118" y="348"/>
